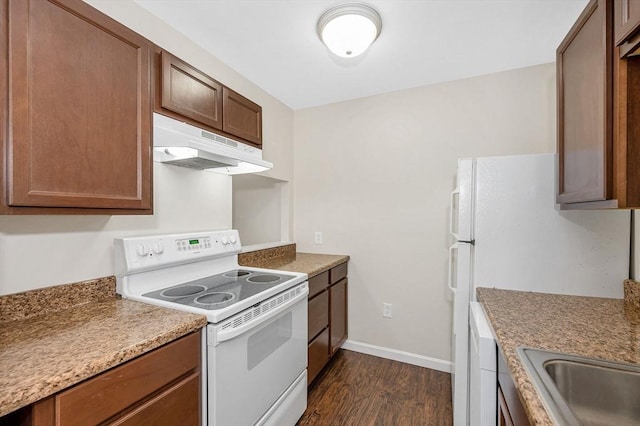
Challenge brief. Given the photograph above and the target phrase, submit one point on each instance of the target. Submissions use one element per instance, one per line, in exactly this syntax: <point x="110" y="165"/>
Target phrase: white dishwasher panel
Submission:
<point x="482" y="369"/>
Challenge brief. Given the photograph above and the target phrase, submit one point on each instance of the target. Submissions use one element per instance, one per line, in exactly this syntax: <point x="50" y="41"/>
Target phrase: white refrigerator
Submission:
<point x="510" y="234"/>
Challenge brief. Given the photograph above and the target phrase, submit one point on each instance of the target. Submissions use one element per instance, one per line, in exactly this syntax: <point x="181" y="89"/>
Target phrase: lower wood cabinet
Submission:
<point x="328" y="314"/>
<point x="338" y="315"/>
<point x="318" y="355"/>
<point x="161" y="387"/>
<point x="177" y="405"/>
<point x="318" y="313"/>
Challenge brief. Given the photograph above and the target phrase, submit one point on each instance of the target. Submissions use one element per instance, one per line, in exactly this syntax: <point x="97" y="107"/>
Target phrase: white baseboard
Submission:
<point x="396" y="355"/>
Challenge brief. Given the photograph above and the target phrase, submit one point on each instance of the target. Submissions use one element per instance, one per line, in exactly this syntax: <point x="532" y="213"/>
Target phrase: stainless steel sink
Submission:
<point x="585" y="391"/>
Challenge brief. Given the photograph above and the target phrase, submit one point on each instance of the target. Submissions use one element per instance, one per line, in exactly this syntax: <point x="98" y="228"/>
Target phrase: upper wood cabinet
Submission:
<point x="242" y="117"/>
<point x="187" y="91"/>
<point x="627" y="25"/>
<point x="187" y="94"/>
<point x="598" y="110"/>
<point x="76" y="111"/>
<point x="585" y="107"/>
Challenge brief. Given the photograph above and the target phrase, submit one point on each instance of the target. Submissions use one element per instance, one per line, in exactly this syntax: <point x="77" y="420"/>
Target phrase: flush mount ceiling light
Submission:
<point x="349" y="29"/>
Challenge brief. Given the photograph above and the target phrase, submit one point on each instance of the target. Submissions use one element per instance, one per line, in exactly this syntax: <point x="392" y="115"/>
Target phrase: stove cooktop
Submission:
<point x="221" y="290"/>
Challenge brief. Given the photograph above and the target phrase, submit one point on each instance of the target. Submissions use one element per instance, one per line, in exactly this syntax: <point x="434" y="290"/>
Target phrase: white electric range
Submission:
<point x="255" y="346"/>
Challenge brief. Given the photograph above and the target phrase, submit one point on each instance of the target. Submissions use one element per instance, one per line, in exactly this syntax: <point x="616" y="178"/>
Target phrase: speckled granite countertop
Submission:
<point x="43" y="350"/>
<point x="285" y="258"/>
<point x="588" y="326"/>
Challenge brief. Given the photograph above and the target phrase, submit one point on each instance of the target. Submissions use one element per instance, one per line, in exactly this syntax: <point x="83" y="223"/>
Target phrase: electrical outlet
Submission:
<point x="386" y="310"/>
<point x="318" y="237"/>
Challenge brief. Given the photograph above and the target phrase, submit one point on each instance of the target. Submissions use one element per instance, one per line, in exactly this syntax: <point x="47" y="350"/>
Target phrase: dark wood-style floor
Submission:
<point x="359" y="389"/>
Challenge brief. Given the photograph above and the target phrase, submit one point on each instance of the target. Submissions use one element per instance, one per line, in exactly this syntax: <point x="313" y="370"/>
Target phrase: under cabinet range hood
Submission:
<point x="182" y="144"/>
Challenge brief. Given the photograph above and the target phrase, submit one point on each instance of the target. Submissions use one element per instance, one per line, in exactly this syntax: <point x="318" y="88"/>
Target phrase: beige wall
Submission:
<point x="374" y="175"/>
<point x="38" y="251"/>
<point x="260" y="209"/>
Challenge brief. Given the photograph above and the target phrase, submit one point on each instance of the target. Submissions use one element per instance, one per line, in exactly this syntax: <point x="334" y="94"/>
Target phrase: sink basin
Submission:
<point x="585" y="391"/>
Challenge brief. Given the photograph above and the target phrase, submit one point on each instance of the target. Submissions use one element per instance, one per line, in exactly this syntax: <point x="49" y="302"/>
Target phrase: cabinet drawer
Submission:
<point x="109" y="393"/>
<point x="318" y="283"/>
<point x="318" y="314"/>
<point x="318" y="355"/>
<point x="178" y="405"/>
<point x="338" y="272"/>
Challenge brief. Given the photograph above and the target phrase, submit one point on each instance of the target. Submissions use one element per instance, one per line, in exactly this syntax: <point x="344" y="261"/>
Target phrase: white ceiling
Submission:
<point x="274" y="44"/>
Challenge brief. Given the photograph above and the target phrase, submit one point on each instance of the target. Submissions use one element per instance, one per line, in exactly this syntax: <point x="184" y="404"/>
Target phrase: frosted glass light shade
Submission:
<point x="349" y="29"/>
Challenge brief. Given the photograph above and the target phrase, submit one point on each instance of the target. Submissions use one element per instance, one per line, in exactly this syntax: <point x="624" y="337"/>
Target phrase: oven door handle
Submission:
<point x="222" y="336"/>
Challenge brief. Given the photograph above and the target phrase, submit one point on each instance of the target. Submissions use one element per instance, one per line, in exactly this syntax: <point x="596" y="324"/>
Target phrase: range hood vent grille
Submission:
<point x="219" y="138"/>
<point x="196" y="163"/>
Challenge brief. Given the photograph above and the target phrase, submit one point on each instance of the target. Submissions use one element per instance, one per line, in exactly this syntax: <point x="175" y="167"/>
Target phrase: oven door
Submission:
<point x="250" y="369"/>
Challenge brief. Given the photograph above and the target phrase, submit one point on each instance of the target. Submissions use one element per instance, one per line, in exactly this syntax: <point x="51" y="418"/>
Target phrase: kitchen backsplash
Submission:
<point x="632" y="292"/>
<point x="51" y="299"/>
<point x="269" y="256"/>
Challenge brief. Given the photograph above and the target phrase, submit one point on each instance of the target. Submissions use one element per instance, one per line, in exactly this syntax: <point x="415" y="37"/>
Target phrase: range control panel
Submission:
<point x="135" y="254"/>
<point x="186" y="244"/>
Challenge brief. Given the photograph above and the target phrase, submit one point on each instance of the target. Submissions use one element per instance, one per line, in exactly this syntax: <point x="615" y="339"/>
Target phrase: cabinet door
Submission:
<point x="79" y="108"/>
<point x="338" y="315"/>
<point x="317" y="355"/>
<point x="187" y="91"/>
<point x="585" y="105"/>
<point x="626" y="19"/>
<point x="627" y="136"/>
<point x="242" y="117"/>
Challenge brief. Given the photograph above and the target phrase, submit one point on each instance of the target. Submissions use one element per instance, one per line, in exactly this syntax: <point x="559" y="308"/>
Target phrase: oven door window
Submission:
<point x="267" y="340"/>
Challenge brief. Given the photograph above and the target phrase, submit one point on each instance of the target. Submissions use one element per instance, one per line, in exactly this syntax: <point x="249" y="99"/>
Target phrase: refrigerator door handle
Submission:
<point x="452" y="212"/>
<point x="449" y="274"/>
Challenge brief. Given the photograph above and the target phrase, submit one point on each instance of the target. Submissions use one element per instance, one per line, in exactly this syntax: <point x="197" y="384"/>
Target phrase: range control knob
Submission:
<point x="158" y="248"/>
<point x="142" y="250"/>
<point x="224" y="240"/>
<point x="233" y="239"/>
